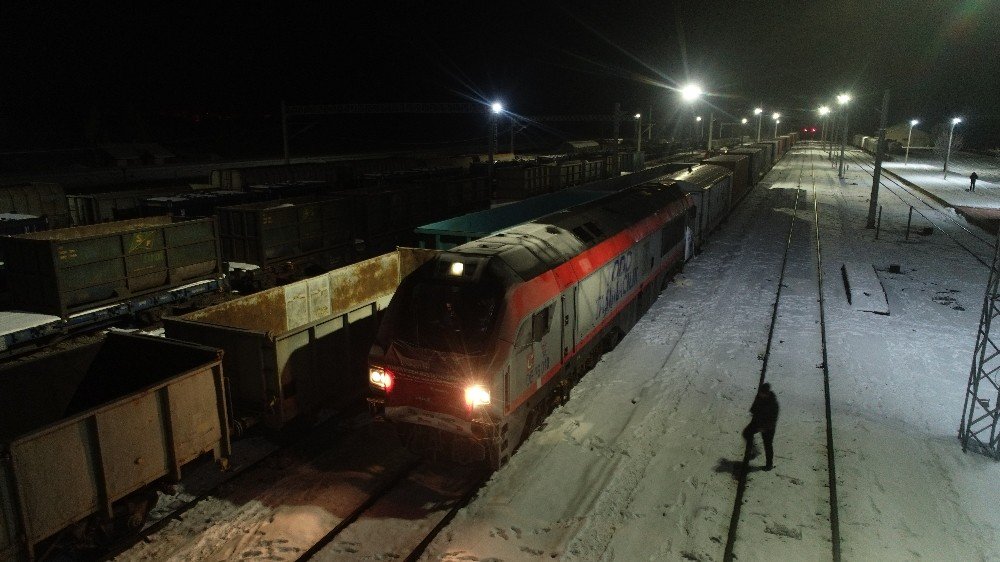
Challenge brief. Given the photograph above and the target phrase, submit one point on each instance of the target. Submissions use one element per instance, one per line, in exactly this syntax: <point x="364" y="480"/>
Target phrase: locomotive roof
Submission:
<point x="532" y="248"/>
<point x="701" y="176"/>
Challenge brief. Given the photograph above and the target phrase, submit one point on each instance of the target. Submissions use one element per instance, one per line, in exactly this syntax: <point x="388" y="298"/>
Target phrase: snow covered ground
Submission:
<point x="639" y="464"/>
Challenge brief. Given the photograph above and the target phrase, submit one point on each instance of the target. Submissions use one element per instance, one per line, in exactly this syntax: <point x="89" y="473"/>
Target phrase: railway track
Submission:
<point x="970" y="240"/>
<point x="346" y="491"/>
<point x="400" y="519"/>
<point x="795" y="350"/>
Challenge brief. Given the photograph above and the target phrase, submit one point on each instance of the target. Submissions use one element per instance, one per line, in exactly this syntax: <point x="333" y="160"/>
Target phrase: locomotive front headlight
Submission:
<point x="476" y="395"/>
<point x="380" y="378"/>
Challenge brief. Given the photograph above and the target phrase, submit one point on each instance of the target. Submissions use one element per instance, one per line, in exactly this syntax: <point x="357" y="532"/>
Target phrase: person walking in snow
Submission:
<point x="972" y="181"/>
<point x="764" y="420"/>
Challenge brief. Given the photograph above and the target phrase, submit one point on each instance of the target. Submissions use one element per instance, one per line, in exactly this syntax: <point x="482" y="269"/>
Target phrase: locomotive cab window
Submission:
<point x="523" y="339"/>
<point x="449" y="316"/>
<point x="541" y="323"/>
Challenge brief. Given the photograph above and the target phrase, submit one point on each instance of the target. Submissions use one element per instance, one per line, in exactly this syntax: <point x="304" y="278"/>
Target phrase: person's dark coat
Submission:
<point x="764" y="409"/>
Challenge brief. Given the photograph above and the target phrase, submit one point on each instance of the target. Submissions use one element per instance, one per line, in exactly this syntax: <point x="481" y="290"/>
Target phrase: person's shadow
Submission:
<point x="735" y="467"/>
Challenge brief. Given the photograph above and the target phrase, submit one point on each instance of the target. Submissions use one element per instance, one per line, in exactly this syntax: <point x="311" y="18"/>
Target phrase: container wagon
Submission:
<point x="291" y="350"/>
<point x="711" y="188"/>
<point x="86" y="433"/>
<point x="70" y="270"/>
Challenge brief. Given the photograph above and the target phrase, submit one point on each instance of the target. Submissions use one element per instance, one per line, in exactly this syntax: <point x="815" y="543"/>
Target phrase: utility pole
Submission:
<point x="511" y="134"/>
<point x="284" y="130"/>
<point x="711" y="126"/>
<point x="843" y="142"/>
<point x="616" y="117"/>
<point x="981" y="411"/>
<point x="649" y="126"/>
<point x="493" y="144"/>
<point x="830" y="138"/>
<point x="877" y="175"/>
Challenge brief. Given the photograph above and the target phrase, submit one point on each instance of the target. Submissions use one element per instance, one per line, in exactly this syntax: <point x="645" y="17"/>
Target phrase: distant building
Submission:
<point x="899" y="132"/>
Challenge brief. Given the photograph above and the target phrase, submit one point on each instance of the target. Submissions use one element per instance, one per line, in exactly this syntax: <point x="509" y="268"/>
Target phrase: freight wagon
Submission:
<point x="446" y="234"/>
<point x="292" y="350"/>
<point x="266" y="243"/>
<point x="85" y="434"/>
<point x="711" y="188"/>
<point x="39" y="199"/>
<point x="70" y="270"/>
<point x="93" y="208"/>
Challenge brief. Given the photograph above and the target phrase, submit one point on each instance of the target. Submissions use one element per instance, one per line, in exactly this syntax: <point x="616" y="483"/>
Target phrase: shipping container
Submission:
<point x="739" y="164"/>
<point x="756" y="156"/>
<point x="768" y="149"/>
<point x="65" y="271"/>
<point x="82" y="429"/>
<point x="711" y="188"/>
<point x="292" y="350"/>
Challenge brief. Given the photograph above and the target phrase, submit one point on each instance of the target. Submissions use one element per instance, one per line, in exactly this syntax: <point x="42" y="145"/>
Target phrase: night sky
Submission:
<point x="211" y="75"/>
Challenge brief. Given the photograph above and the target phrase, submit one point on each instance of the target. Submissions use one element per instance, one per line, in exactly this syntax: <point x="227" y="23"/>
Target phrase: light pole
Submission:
<point x="843" y="100"/>
<point x="951" y="133"/>
<point x="638" y="132"/>
<point x="909" y="137"/>
<point x="758" y="112"/>
<point x="701" y="130"/>
<point x="496" y="108"/>
<point x="824" y="112"/>
<point x="690" y="94"/>
<point x="743" y="129"/>
<point x="776" y="118"/>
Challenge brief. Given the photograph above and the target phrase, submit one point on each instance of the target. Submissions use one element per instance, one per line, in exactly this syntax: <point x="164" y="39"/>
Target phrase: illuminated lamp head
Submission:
<point x="381" y="378"/>
<point x="476" y="395"/>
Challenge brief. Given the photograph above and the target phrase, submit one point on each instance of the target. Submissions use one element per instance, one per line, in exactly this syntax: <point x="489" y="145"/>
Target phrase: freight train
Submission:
<point x="483" y="340"/>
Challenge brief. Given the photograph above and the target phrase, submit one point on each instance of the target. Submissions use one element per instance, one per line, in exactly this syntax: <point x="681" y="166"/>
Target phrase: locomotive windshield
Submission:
<point x="448" y="316"/>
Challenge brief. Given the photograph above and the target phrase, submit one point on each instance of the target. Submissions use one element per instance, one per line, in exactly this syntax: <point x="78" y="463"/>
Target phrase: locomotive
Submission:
<point x="480" y="343"/>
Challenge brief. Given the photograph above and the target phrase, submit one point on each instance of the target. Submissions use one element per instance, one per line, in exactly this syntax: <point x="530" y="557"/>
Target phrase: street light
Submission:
<point x="951" y="133"/>
<point x="909" y="137"/>
<point x="638" y="131"/>
<point x="776" y="118"/>
<point x="843" y="100"/>
<point x="690" y="94"/>
<point x="496" y="108"/>
<point x="758" y="113"/>
<point x="824" y="112"/>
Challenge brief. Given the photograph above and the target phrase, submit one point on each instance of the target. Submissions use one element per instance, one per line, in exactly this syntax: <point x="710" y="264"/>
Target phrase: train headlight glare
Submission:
<point x="477" y="396"/>
<point x="380" y="378"/>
